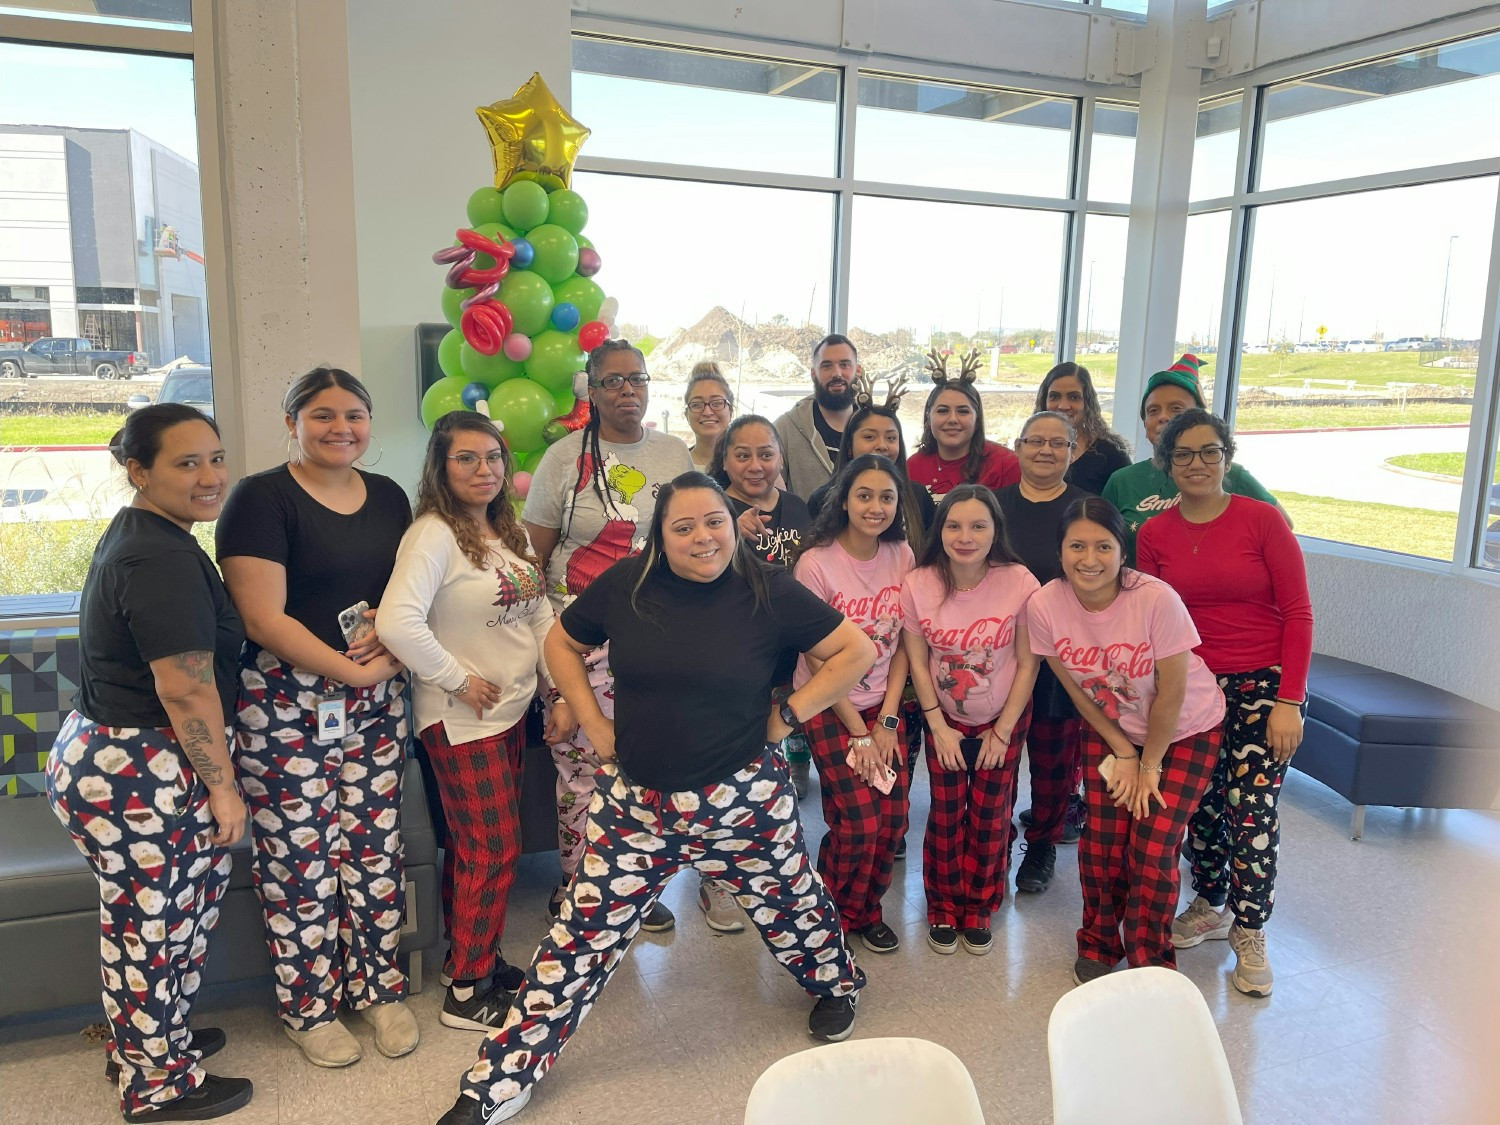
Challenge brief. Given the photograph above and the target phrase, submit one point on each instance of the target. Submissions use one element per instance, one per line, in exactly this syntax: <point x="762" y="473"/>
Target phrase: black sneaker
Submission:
<point x="469" y="1111"/>
<point x="1025" y="818"/>
<point x="943" y="939"/>
<point x="832" y="1018"/>
<point x="879" y="938"/>
<point x="801" y="777"/>
<point x="508" y="976"/>
<point x="978" y="940"/>
<point x="1035" y="874"/>
<point x="1077" y="816"/>
<point x="216" y="1097"/>
<point x="554" y="903"/>
<point x="901" y="848"/>
<point x="482" y="1011"/>
<point x="206" y="1041"/>
<point x="658" y="919"/>
<point x="1086" y="969"/>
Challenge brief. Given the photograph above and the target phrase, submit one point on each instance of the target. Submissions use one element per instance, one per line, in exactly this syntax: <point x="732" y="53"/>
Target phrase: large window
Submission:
<point x="1202" y="297"/>
<point x="1101" y="297"/>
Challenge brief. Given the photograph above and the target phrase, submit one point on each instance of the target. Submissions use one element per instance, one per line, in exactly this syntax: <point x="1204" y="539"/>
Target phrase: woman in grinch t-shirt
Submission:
<point x="1121" y="644"/>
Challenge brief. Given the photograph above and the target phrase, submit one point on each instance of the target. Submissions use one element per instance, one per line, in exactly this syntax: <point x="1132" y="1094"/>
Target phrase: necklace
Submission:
<point x="1207" y="525"/>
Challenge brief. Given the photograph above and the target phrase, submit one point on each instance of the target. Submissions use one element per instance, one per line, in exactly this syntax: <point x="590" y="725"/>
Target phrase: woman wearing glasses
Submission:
<point x="1033" y="511"/>
<point x="466" y="613"/>
<point x="590" y="504"/>
<point x="709" y="404"/>
<point x="1239" y="570"/>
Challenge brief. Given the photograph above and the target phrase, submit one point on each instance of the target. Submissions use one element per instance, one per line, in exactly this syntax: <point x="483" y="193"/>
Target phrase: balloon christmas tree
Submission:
<point x="520" y="291"/>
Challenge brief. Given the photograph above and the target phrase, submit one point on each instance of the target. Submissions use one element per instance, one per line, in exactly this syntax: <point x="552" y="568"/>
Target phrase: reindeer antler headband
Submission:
<point x="937" y="367"/>
<point x="864" y="391"/>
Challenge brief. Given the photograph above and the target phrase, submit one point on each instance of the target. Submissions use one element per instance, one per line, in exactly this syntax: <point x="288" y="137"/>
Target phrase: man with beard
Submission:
<point x="811" y="430"/>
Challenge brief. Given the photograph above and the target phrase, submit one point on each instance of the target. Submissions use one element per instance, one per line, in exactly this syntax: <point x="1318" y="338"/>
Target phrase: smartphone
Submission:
<point x="971" y="748"/>
<point x="354" y="624"/>
<point x="884" y="781"/>
<point x="1107" y="769"/>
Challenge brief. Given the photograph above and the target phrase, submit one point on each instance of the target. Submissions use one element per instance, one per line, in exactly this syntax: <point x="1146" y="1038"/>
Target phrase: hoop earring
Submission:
<point x="379" y="453"/>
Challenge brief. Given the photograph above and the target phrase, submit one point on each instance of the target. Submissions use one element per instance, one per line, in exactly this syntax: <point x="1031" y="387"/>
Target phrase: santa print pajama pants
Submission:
<point x="326" y="818"/>
<point x="743" y="831"/>
<point x="480" y="782"/>
<point x="1128" y="867"/>
<point x="858" y="851"/>
<point x="966" y="852"/>
<point x="577" y="763"/>
<point x="139" y="815"/>
<point x="1236" y="832"/>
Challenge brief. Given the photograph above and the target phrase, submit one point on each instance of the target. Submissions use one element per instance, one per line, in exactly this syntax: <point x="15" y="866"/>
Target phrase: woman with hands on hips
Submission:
<point x="1121" y="643"/>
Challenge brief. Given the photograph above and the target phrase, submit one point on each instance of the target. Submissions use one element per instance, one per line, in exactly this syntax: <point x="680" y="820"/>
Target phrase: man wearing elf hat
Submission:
<point x="1142" y="490"/>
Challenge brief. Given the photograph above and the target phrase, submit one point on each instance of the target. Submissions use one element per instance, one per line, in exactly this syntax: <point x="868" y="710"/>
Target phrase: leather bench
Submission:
<point x="1378" y="738"/>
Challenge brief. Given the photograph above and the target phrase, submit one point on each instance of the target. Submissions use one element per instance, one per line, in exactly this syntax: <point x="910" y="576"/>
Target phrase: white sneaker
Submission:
<point x="1252" y="969"/>
<point x="1200" y="922"/>
<point x="329" y="1044"/>
<point x="719" y="908"/>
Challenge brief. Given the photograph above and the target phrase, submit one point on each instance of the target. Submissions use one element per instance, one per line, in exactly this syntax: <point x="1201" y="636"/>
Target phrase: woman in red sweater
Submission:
<point x="1239" y="570"/>
<point x="954" y="449"/>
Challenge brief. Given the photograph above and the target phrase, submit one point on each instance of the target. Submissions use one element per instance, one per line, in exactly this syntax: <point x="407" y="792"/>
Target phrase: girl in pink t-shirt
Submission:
<point x="964" y="614"/>
<point x="1121" y="643"/>
<point x="855" y="557"/>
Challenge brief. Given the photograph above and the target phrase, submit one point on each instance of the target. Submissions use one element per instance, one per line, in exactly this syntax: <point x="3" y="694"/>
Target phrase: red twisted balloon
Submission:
<point x="486" y="325"/>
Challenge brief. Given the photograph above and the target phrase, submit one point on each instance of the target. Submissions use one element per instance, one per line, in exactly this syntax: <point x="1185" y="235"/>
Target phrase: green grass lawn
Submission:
<point x="46" y="556"/>
<point x="1259" y="416"/>
<point x="59" y="429"/>
<point x="1411" y="531"/>
<point x="1445" y="464"/>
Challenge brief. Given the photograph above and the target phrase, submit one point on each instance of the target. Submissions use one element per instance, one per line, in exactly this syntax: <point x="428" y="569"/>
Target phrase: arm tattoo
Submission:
<point x="198" y="665"/>
<point x="196" y="740"/>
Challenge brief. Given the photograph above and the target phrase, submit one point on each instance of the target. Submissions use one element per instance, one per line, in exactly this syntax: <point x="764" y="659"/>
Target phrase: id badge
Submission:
<point x="333" y="720"/>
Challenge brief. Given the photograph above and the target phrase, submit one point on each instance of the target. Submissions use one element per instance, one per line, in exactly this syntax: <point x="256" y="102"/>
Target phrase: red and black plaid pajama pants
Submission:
<point x="1128" y="867"/>
<point x="966" y="852"/>
<point x="858" y="851"/>
<point x="1055" y="757"/>
<point x="480" y="783"/>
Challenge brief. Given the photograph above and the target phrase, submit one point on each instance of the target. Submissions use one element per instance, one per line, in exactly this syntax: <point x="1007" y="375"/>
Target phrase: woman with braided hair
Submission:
<point x="954" y="449"/>
<point x="590" y="505"/>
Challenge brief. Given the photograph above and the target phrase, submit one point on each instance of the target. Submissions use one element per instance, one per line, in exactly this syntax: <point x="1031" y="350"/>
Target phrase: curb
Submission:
<point x="52" y="448"/>
<point x="1356" y="429"/>
<point x="1405" y="472"/>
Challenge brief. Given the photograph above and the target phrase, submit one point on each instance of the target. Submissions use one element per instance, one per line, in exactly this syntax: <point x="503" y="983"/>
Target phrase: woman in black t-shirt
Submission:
<point x="747" y="463"/>
<point x="140" y="773"/>
<point x="322" y="726"/>
<point x="697" y="629"/>
<point x="1099" y="452"/>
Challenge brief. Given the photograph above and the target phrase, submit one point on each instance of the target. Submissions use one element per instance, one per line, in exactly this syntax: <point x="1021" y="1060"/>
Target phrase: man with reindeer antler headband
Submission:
<point x="954" y="449"/>
<point x="811" y="430"/>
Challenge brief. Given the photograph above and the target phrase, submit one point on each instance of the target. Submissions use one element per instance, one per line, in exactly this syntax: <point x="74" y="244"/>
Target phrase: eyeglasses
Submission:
<point x="615" y="382"/>
<point x="699" y="405"/>
<point x="1210" y="455"/>
<point x="470" y="461"/>
<point x="1050" y="443"/>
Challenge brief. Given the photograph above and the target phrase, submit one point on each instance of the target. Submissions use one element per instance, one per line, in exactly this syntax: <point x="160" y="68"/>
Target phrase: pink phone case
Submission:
<point x="884" y="782"/>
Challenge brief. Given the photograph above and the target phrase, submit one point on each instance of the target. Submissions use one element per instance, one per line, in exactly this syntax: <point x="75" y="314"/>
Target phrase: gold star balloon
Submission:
<point x="533" y="137"/>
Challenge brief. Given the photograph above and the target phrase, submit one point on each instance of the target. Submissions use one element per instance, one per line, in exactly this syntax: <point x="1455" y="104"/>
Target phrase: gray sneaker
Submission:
<point x="1200" y="922"/>
<point x="720" y="910"/>
<point x="1252" y="969"/>
<point x="1086" y="969"/>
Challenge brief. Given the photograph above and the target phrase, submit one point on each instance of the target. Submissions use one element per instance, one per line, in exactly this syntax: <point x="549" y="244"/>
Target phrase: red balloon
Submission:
<point x="578" y="417"/>
<point x="486" y="325"/>
<point x="592" y="334"/>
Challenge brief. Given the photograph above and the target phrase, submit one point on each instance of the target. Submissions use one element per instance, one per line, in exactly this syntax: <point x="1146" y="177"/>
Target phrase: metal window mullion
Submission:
<point x="738" y="177"/>
<point x="960" y="195"/>
<point x="47" y="31"/>
<point x="1071" y="283"/>
<point x="1236" y="264"/>
<point x="843" y="226"/>
<point x="1379" y="181"/>
<point x="1484" y="424"/>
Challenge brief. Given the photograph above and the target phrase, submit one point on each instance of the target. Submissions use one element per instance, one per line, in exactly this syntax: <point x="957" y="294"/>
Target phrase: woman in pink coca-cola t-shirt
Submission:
<point x="964" y="609"/>
<point x="1121" y="643"/>
<point x="855" y="557"/>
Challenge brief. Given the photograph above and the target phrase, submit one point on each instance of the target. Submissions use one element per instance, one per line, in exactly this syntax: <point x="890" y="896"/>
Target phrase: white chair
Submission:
<point x="866" y="1082"/>
<point x="1138" y="1047"/>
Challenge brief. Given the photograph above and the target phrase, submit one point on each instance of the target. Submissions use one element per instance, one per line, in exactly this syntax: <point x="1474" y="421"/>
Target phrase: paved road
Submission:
<point x="1350" y="464"/>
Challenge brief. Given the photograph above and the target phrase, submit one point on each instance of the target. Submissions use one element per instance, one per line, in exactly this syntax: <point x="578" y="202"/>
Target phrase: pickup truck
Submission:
<point x="67" y="355"/>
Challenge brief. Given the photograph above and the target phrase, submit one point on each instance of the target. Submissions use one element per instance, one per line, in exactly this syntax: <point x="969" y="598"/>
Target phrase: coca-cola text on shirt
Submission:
<point x="987" y="633"/>
<point x="1134" y="660"/>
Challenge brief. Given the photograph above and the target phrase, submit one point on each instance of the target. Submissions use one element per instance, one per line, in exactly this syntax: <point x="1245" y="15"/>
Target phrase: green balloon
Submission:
<point x="554" y="357"/>
<point x="491" y="370"/>
<point x="565" y="402"/>
<point x="524" y="204"/>
<point x="556" y="252"/>
<point x="484" y="207"/>
<point x="584" y="242"/>
<point x="529" y="298"/>
<point x="527" y="462"/>
<point x="567" y="209"/>
<point x="452" y="300"/>
<point x="525" y="409"/>
<point x="442" y="397"/>
<point x="448" y="358"/>
<point x="584" y="294"/>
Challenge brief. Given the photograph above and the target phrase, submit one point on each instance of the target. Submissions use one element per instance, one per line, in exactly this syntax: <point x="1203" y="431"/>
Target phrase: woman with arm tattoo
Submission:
<point x="141" y="773"/>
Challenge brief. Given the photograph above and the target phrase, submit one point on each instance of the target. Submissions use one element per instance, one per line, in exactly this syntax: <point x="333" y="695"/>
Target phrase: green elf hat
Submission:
<point x="1184" y="374"/>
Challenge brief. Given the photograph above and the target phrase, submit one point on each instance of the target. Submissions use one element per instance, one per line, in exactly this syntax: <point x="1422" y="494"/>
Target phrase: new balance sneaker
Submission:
<point x="943" y="939"/>
<point x="1086" y="969"/>
<point x="879" y="938"/>
<point x="658" y="919"/>
<point x="1035" y="873"/>
<point x="468" y="1111"/>
<point x="832" y="1018"/>
<point x="206" y="1041"/>
<point x="214" y="1097"/>
<point x="978" y="940"/>
<point x="483" y="1010"/>
<point x="1252" y="969"/>
<point x="720" y="910"/>
<point x="1200" y="922"/>
<point x="509" y="977"/>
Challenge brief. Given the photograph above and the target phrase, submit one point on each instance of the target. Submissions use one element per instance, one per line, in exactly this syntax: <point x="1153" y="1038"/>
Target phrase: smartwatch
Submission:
<point x="890" y="722"/>
<point x="788" y="716"/>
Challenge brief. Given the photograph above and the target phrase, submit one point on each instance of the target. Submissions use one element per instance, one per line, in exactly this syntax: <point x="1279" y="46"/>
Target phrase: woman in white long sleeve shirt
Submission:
<point x="466" y="612"/>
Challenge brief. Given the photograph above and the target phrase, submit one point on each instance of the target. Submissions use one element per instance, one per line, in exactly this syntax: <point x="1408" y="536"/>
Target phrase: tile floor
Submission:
<point x="1387" y="1002"/>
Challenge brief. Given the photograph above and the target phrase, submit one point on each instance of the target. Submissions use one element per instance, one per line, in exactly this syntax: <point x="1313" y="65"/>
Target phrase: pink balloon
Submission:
<point x="517" y="346"/>
<point x="588" y="261"/>
<point x="522" y="483"/>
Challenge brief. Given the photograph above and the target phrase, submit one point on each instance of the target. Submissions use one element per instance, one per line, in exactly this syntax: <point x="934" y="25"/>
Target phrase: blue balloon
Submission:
<point x="565" y="316"/>
<point x="524" y="254"/>
<point x="474" y="394"/>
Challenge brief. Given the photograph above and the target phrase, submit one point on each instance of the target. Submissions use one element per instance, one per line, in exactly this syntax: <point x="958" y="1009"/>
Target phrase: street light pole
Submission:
<point x="1443" y="316"/>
